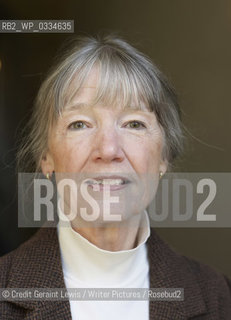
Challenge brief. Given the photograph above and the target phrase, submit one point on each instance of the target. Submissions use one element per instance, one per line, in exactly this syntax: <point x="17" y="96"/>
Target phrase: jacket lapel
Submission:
<point x="171" y="270"/>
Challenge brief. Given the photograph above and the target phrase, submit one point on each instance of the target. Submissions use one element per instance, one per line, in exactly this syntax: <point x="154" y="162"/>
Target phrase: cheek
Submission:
<point x="154" y="156"/>
<point x="145" y="155"/>
<point x="69" y="156"/>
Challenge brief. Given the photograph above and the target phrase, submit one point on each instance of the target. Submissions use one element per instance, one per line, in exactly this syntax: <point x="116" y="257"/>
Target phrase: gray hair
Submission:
<point x="125" y="76"/>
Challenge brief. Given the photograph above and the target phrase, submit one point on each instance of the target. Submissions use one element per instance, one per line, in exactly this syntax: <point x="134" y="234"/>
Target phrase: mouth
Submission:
<point x="108" y="182"/>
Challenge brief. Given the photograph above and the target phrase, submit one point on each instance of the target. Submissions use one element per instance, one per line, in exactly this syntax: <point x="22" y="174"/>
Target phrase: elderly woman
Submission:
<point x="106" y="119"/>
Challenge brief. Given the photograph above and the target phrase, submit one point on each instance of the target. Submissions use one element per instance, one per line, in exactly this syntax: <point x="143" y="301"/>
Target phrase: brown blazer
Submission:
<point x="37" y="263"/>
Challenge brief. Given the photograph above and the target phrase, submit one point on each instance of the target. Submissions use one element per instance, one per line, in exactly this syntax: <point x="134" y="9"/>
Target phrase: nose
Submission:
<point x="108" y="146"/>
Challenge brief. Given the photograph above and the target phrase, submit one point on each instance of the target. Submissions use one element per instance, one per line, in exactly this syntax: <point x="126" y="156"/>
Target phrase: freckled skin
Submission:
<point x="98" y="139"/>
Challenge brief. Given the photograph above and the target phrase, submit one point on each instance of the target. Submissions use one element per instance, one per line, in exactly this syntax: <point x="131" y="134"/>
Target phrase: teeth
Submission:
<point x="111" y="182"/>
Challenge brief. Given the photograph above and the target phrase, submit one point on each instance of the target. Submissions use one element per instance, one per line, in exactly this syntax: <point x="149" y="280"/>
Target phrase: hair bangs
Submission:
<point x="70" y="83"/>
<point x="120" y="82"/>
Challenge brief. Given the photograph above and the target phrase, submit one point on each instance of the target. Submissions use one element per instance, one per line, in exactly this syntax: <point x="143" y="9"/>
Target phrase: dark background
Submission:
<point x="190" y="40"/>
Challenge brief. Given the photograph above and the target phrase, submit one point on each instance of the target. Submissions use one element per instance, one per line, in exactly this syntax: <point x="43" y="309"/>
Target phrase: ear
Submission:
<point x="163" y="166"/>
<point x="47" y="164"/>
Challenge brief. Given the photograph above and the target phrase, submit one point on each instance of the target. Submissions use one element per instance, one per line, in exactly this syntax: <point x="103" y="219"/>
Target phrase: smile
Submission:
<point x="114" y="183"/>
<point x="111" y="182"/>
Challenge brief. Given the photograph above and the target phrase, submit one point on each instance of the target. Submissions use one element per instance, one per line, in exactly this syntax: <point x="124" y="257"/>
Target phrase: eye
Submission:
<point x="77" y="125"/>
<point x="135" y="125"/>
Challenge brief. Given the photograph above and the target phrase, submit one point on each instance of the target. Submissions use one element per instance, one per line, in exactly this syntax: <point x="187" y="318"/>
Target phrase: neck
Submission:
<point x="113" y="237"/>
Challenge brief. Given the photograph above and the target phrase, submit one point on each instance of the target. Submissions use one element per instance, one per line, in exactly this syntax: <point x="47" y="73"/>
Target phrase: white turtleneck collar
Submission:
<point x="87" y="266"/>
<point x="95" y="267"/>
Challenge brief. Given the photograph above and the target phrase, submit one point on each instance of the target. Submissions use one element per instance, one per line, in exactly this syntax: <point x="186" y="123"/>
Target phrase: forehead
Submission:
<point x="107" y="88"/>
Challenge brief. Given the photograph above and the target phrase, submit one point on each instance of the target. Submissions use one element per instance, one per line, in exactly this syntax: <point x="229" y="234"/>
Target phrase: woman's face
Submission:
<point x="120" y="148"/>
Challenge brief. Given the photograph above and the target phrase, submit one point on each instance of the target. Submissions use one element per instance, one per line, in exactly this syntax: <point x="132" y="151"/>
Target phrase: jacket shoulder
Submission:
<point x="23" y="254"/>
<point x="207" y="275"/>
<point x="215" y="287"/>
